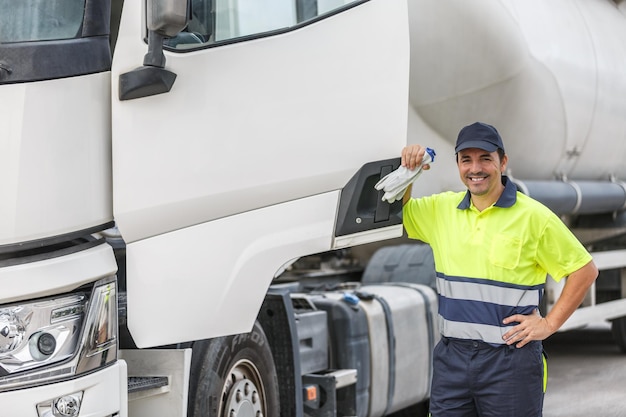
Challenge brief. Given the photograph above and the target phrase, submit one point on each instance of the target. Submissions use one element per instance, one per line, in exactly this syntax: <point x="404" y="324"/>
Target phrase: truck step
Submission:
<point x="144" y="383"/>
<point x="331" y="393"/>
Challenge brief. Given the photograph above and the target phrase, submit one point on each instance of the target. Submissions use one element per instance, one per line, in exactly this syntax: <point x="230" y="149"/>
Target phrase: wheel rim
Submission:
<point x="243" y="394"/>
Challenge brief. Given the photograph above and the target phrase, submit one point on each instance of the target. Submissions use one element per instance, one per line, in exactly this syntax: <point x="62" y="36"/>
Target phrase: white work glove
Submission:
<point x="395" y="183"/>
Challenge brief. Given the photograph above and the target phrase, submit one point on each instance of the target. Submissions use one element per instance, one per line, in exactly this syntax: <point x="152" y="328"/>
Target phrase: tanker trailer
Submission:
<point x="550" y="77"/>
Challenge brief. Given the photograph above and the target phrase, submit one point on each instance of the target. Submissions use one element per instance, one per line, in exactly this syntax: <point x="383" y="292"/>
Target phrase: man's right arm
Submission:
<point x="412" y="157"/>
<point x="407" y="194"/>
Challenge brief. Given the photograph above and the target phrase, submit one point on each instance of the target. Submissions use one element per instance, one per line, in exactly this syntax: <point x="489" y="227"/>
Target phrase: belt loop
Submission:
<point x="445" y="340"/>
<point x="509" y="349"/>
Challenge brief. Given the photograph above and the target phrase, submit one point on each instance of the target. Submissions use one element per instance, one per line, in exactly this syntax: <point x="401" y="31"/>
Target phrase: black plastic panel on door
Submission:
<point x="361" y="207"/>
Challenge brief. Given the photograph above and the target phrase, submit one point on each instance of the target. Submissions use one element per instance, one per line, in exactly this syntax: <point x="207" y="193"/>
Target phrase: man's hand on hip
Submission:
<point x="530" y="327"/>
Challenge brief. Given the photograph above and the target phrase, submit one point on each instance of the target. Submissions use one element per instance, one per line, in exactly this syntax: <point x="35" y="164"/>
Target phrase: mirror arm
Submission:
<point x="164" y="18"/>
<point x="154" y="57"/>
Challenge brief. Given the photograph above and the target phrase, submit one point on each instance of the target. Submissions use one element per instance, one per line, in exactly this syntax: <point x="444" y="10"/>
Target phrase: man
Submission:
<point x="493" y="248"/>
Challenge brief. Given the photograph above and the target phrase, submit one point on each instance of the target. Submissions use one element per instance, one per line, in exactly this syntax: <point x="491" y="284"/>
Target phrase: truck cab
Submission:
<point x="162" y="163"/>
<point x="188" y="209"/>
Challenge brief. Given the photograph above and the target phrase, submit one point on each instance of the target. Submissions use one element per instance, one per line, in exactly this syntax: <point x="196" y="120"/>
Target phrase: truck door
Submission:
<point x="274" y="102"/>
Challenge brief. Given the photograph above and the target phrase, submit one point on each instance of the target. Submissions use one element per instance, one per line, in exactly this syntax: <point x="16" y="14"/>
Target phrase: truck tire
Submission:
<point x="234" y="376"/>
<point x="618" y="328"/>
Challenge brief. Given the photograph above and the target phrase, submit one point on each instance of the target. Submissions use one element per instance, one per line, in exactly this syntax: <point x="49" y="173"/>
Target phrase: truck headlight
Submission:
<point x="12" y="328"/>
<point x="99" y="346"/>
<point x="58" y="337"/>
<point x="32" y="336"/>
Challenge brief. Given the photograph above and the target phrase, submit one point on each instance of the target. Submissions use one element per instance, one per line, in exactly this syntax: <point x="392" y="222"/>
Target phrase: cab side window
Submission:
<point x="221" y="21"/>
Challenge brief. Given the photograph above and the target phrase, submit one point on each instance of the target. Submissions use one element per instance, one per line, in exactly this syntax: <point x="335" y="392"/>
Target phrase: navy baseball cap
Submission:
<point x="479" y="135"/>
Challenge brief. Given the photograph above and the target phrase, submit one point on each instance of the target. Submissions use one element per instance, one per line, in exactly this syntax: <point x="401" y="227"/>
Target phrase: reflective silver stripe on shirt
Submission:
<point x="488" y="293"/>
<point x="486" y="333"/>
<point x="471" y="308"/>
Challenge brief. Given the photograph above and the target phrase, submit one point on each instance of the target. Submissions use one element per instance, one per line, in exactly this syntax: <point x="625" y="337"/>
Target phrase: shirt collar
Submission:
<point x="506" y="199"/>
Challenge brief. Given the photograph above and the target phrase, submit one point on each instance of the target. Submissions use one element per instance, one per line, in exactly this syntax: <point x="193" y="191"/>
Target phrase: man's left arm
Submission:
<point x="534" y="327"/>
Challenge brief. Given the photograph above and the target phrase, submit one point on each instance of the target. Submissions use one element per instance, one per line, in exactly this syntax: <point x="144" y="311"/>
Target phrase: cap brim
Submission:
<point x="479" y="144"/>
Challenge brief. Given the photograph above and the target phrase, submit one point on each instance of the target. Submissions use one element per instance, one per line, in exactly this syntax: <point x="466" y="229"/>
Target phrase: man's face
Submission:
<point x="480" y="171"/>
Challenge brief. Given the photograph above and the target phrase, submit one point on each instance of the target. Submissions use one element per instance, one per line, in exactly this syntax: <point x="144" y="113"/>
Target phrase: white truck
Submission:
<point x="183" y="180"/>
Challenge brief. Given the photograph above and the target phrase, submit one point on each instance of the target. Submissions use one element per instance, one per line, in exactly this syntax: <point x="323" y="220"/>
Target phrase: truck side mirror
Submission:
<point x="164" y="19"/>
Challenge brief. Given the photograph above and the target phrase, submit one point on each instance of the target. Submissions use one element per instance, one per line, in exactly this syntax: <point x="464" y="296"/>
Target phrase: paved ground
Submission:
<point x="587" y="375"/>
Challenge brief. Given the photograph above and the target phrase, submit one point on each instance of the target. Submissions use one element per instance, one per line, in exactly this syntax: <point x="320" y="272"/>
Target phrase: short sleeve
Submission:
<point x="559" y="252"/>
<point x="419" y="218"/>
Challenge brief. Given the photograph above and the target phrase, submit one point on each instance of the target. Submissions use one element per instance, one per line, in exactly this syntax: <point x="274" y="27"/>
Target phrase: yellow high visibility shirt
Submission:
<point x="491" y="264"/>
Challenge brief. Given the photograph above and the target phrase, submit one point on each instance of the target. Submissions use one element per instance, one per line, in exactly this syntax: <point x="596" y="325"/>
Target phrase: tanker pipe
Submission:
<point x="576" y="197"/>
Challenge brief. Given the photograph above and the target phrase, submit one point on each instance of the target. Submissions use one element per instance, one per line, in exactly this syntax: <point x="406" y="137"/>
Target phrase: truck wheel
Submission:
<point x="618" y="328"/>
<point x="234" y="376"/>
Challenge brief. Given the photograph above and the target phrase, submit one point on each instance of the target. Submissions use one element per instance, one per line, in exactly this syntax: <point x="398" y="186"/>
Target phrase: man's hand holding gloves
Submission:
<point x="395" y="183"/>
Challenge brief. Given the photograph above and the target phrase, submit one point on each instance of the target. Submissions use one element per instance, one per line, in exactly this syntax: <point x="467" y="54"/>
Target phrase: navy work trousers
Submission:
<point x="475" y="379"/>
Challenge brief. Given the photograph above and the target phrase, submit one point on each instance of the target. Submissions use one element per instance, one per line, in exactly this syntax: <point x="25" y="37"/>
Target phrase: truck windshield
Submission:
<point x="51" y="39"/>
<point x="40" y="20"/>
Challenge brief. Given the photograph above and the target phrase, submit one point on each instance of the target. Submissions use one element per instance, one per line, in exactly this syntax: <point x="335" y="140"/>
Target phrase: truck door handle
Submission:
<point x="361" y="207"/>
<point x="382" y="207"/>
